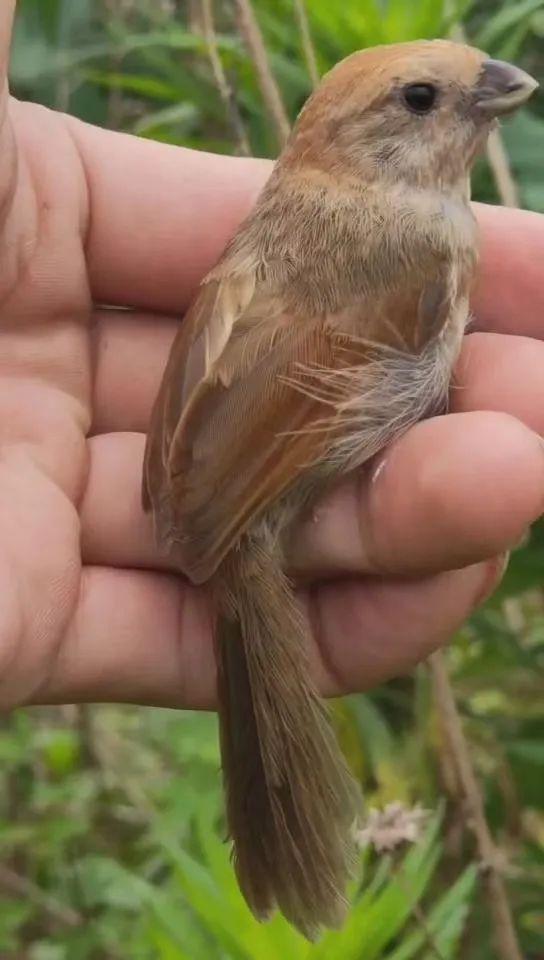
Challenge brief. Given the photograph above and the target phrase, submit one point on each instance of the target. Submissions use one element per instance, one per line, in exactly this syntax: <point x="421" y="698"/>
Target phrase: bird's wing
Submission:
<point x="245" y="407"/>
<point x="202" y="336"/>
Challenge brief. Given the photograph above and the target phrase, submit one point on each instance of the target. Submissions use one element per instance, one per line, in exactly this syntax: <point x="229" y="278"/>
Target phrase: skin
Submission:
<point x="89" y="609"/>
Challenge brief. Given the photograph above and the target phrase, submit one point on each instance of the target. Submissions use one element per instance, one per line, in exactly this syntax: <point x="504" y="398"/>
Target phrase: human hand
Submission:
<point x="394" y="561"/>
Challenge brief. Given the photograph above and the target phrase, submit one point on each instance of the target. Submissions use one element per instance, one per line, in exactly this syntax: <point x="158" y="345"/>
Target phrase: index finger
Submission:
<point x="161" y="215"/>
<point x="509" y="294"/>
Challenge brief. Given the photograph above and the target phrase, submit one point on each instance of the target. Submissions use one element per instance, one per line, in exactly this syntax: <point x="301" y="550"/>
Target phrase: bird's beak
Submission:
<point x="502" y="88"/>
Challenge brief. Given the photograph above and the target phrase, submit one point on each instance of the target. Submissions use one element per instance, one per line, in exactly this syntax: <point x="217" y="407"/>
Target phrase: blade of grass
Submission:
<point x="301" y="15"/>
<point x="372" y="924"/>
<point x="445" y="920"/>
<point x="505" y="20"/>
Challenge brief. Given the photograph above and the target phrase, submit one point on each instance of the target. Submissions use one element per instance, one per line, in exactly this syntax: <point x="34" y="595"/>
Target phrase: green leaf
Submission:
<point x="413" y="21"/>
<point x="47" y="951"/>
<point x="106" y="882"/>
<point x="507" y="18"/>
<point x="531" y="751"/>
<point x="373" y="728"/>
<point x="14" y="914"/>
<point x="145" y="86"/>
<point x="203" y="896"/>
<point x="524" y="139"/>
<point x="181" y="115"/>
<point x="444" y="922"/>
<point x="276" y="938"/>
<point x="371" y="926"/>
<point x="61" y="750"/>
<point x="45" y="62"/>
<point x="166" y="948"/>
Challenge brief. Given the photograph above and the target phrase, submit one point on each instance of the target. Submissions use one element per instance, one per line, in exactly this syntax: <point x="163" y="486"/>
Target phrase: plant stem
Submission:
<point x="504" y="931"/>
<point x="225" y="89"/>
<point x="22" y="887"/>
<point x="497" y="156"/>
<point x="301" y="15"/>
<point x="194" y="16"/>
<point x="253" y="38"/>
<point x="505" y="183"/>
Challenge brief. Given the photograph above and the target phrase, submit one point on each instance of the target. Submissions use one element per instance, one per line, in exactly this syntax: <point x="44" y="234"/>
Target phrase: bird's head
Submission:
<point x="415" y="113"/>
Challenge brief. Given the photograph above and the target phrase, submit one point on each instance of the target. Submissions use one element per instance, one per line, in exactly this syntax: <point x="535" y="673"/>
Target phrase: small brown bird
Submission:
<point x="328" y="327"/>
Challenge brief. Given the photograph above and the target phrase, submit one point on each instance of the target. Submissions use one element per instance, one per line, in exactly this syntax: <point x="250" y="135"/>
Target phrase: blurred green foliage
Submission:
<point x="111" y="831"/>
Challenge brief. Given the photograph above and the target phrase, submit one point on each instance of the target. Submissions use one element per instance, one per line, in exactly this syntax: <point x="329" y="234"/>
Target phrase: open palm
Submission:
<point x="393" y="561"/>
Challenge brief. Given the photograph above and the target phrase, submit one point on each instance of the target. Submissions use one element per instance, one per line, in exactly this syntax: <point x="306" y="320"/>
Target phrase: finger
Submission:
<point x="509" y="296"/>
<point x="135" y="637"/>
<point x="14" y="221"/>
<point x="130" y="352"/>
<point x="114" y="529"/>
<point x="495" y="372"/>
<point x="160" y="217"/>
<point x="7" y="13"/>
<point x="369" y="631"/>
<point x="501" y="373"/>
<point x="146" y="638"/>
<point x="453" y="491"/>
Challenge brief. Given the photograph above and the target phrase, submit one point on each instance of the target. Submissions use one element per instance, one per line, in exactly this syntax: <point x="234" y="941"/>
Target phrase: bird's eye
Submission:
<point x="420" y="97"/>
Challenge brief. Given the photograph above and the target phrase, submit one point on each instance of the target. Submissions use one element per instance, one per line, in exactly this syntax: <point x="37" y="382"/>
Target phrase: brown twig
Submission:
<point x="115" y="109"/>
<point x="84" y="723"/>
<point x="497" y="156"/>
<point x="514" y="616"/>
<point x="499" y="906"/>
<point x="19" y="886"/>
<point x="301" y="15"/>
<point x="253" y="38"/>
<point x="221" y="81"/>
<point x="499" y="163"/>
<point x="504" y="931"/>
<point x="194" y="16"/>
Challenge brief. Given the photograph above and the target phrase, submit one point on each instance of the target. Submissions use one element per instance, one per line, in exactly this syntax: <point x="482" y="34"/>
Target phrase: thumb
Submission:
<point x="7" y="12"/>
<point x="10" y="228"/>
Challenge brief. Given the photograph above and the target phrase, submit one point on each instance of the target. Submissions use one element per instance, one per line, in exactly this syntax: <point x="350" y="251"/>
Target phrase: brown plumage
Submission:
<point x="328" y="327"/>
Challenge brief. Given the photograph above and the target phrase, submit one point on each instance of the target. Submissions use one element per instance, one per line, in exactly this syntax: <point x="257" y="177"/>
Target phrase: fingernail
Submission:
<point x="378" y="469"/>
<point x="494" y="572"/>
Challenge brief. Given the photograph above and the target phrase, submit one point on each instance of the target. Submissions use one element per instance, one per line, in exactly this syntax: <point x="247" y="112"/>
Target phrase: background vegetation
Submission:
<point x="111" y="836"/>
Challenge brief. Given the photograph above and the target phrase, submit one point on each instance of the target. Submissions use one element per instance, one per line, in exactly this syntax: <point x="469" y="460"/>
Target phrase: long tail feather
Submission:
<point x="291" y="801"/>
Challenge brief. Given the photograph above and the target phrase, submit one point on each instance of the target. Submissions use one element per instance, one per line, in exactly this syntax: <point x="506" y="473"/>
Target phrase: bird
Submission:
<point x="327" y="328"/>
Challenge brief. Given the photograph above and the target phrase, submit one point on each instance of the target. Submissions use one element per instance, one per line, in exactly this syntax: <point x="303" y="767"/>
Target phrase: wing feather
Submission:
<point x="202" y="336"/>
<point x="244" y="407"/>
<point x="244" y="434"/>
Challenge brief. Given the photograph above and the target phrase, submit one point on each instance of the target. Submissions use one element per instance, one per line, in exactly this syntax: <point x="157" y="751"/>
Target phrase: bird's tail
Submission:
<point x="291" y="801"/>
